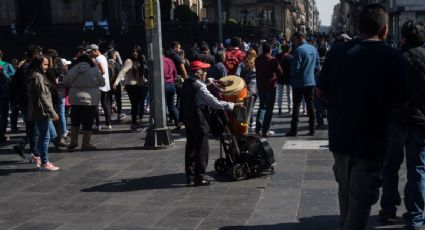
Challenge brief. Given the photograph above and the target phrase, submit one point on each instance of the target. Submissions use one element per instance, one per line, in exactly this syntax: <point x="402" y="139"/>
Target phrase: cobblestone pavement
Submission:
<point x="125" y="186"/>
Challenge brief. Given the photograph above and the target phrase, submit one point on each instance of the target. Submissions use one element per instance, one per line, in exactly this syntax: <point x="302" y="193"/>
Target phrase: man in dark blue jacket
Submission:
<point x="305" y="65"/>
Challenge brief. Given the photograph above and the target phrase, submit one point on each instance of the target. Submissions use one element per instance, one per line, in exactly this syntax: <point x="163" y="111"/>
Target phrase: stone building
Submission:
<point x="271" y="15"/>
<point x="401" y="11"/>
<point x="346" y="16"/>
<point x="196" y="6"/>
<point x="312" y="16"/>
<point x="342" y="21"/>
<point x="54" y="12"/>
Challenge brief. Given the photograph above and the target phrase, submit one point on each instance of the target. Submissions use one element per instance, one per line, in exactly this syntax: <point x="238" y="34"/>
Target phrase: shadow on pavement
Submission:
<point x="12" y="162"/>
<point x="6" y="172"/>
<point x="329" y="222"/>
<point x="113" y="131"/>
<point x="177" y="180"/>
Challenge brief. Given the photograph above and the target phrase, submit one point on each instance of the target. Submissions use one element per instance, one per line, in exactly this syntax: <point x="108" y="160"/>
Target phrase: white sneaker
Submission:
<point x="269" y="133"/>
<point x="109" y="127"/>
<point x="98" y="128"/>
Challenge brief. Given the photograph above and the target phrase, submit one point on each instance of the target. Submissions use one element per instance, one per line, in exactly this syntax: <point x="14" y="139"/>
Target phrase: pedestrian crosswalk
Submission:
<point x="126" y="106"/>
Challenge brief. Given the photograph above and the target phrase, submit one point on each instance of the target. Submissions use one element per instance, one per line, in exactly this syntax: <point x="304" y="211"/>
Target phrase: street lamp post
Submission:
<point x="220" y="21"/>
<point x="158" y="135"/>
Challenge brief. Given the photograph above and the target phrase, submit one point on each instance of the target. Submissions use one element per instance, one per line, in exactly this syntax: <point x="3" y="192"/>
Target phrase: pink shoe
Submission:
<point x="36" y="160"/>
<point x="49" y="167"/>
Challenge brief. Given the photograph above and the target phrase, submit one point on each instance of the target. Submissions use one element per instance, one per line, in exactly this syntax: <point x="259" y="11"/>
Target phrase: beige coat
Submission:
<point x="129" y="76"/>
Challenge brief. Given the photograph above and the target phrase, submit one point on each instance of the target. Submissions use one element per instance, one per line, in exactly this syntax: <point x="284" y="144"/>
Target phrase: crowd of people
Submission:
<point x="372" y="94"/>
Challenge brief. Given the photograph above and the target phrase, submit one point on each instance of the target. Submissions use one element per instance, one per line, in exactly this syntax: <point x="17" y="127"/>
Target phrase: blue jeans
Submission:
<point x="411" y="139"/>
<point x="43" y="133"/>
<point x="265" y="110"/>
<point x="61" y="114"/>
<point x="170" y="92"/>
<point x="4" y="112"/>
<point x="280" y="91"/>
<point x="358" y="189"/>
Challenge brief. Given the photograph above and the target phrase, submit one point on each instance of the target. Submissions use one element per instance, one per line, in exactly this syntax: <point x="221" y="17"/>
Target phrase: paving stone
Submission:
<point x="126" y="228"/>
<point x="218" y="223"/>
<point x="73" y="226"/>
<point x="38" y="226"/>
<point x="15" y="218"/>
<point x="179" y="222"/>
<point x="189" y="212"/>
<point x="127" y="199"/>
<point x="125" y="186"/>
<point x="139" y="219"/>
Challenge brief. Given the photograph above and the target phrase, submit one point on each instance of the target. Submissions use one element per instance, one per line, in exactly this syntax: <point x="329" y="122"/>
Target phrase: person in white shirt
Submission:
<point x="105" y="97"/>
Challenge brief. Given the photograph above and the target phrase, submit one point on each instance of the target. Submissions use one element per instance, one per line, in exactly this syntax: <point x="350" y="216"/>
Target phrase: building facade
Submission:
<point x="55" y="12"/>
<point x="401" y="11"/>
<point x="285" y="16"/>
<point x="345" y="18"/>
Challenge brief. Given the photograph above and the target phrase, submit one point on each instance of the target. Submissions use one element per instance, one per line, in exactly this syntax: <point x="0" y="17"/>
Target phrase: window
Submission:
<point x="420" y="16"/>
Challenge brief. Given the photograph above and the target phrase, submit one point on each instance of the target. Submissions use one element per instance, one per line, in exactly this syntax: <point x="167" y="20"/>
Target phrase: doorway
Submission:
<point x="38" y="12"/>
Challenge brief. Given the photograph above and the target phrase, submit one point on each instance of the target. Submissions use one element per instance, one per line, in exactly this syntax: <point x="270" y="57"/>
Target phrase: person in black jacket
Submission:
<point x="407" y="132"/>
<point x="19" y="93"/>
<point x="194" y="111"/>
<point x="363" y="81"/>
<point x="284" y="80"/>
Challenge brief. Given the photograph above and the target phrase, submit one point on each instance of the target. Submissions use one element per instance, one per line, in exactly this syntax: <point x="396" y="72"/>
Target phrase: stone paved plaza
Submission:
<point x="125" y="186"/>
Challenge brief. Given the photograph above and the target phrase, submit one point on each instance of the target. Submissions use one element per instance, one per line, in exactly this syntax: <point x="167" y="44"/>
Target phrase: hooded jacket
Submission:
<point x="84" y="82"/>
<point x="40" y="106"/>
<point x="415" y="57"/>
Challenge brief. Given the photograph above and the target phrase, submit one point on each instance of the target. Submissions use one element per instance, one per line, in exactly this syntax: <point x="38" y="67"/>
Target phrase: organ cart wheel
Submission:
<point x="220" y="165"/>
<point x="239" y="172"/>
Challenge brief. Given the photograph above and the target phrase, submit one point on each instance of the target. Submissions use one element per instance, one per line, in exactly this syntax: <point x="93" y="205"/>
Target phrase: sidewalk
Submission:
<point x="125" y="186"/>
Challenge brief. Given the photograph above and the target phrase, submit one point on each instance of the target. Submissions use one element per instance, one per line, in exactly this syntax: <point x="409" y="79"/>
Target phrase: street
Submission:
<point x="122" y="185"/>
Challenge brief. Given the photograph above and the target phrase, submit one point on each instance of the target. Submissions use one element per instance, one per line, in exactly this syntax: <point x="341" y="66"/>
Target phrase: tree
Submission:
<point x="184" y="14"/>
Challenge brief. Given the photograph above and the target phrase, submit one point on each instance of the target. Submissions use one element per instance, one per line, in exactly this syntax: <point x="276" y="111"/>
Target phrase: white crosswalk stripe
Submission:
<point x="127" y="106"/>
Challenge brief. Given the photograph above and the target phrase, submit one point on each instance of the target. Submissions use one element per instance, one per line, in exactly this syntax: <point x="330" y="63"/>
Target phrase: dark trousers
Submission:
<point x="4" y="112"/>
<point x="196" y="153"/>
<point x="29" y="129"/>
<point x="116" y="93"/>
<point x="134" y="94"/>
<point x="145" y="97"/>
<point x="298" y="95"/>
<point x="320" y="108"/>
<point x="83" y="115"/>
<point x="358" y="189"/>
<point x="170" y="92"/>
<point x="14" y="114"/>
<point x="105" y="98"/>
